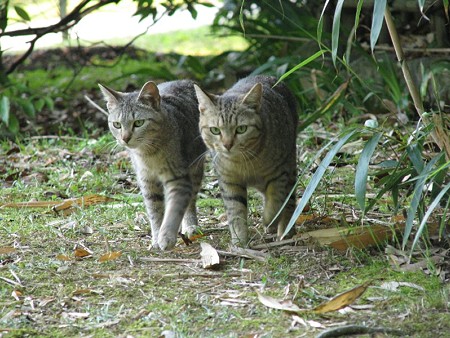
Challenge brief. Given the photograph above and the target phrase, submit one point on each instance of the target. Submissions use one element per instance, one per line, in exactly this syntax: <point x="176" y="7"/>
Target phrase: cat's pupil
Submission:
<point x="214" y="130"/>
<point x="117" y="125"/>
<point x="241" y="129"/>
<point x="139" y="123"/>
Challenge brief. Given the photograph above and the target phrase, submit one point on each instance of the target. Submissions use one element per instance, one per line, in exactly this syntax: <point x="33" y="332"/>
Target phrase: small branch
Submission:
<point x="96" y="105"/>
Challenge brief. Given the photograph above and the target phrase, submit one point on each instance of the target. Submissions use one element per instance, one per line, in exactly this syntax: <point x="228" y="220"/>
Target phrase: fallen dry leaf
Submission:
<point x="342" y="300"/>
<point x="62" y="257"/>
<point x="110" y="256"/>
<point x="80" y="253"/>
<point x="285" y="305"/>
<point x="83" y="201"/>
<point x="209" y="255"/>
<point x="7" y="250"/>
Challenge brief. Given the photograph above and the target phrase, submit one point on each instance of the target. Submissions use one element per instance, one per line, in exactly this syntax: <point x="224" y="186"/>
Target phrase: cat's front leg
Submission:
<point x="274" y="197"/>
<point x="235" y="199"/>
<point x="153" y="194"/>
<point x="178" y="196"/>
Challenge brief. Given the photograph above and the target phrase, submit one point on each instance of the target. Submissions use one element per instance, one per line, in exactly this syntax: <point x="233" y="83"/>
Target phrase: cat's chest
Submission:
<point x="149" y="165"/>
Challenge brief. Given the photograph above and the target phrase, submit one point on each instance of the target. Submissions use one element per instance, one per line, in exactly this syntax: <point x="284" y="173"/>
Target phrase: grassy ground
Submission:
<point x="46" y="290"/>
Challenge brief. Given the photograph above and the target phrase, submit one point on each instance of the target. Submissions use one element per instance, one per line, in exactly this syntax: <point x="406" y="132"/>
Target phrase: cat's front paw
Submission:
<point x="166" y="242"/>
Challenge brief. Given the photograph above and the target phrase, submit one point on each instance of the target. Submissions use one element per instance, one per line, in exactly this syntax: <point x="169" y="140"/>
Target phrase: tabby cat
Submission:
<point x="159" y="127"/>
<point x="251" y="132"/>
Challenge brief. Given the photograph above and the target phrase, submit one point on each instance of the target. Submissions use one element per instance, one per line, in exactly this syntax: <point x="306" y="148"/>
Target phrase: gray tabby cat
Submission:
<point x="159" y="128"/>
<point x="251" y="133"/>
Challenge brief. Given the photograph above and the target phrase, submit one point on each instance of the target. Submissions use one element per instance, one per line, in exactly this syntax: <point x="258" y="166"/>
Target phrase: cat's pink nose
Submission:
<point x="126" y="138"/>
<point x="228" y="146"/>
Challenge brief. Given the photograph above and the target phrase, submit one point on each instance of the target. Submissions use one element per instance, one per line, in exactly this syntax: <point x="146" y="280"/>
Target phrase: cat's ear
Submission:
<point x="149" y="94"/>
<point x="204" y="99"/>
<point x="253" y="97"/>
<point x="111" y="96"/>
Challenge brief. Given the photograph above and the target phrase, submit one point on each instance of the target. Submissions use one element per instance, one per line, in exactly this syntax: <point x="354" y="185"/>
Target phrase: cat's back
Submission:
<point x="179" y="90"/>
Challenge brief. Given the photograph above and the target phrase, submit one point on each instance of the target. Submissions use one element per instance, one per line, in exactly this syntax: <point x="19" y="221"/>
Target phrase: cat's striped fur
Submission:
<point x="159" y="128"/>
<point x="251" y="133"/>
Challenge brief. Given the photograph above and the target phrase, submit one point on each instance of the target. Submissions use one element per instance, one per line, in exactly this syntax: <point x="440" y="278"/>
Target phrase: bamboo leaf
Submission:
<point x="300" y="65"/>
<point x="320" y="171"/>
<point x="416" y="198"/>
<point x="358" y="14"/>
<point x="325" y="107"/>
<point x="320" y="24"/>
<point x="4" y="109"/>
<point x="415" y="156"/>
<point x="362" y="169"/>
<point x="377" y="22"/>
<point x="445" y="2"/>
<point x="335" y="30"/>
<point x="22" y="13"/>
<point x="431" y="208"/>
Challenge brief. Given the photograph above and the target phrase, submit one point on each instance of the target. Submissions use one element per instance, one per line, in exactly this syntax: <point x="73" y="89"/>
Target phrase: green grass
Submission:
<point x="182" y="42"/>
<point x="133" y="296"/>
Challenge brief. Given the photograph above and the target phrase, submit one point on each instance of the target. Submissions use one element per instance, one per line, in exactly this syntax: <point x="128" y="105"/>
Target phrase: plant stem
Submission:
<point x="439" y="133"/>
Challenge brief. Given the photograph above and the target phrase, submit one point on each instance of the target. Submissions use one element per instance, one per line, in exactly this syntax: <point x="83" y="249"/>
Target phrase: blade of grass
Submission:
<point x="362" y="169"/>
<point x="316" y="178"/>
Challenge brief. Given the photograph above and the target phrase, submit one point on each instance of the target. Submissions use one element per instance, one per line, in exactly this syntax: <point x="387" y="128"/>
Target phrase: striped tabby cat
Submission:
<point x="159" y="128"/>
<point x="251" y="133"/>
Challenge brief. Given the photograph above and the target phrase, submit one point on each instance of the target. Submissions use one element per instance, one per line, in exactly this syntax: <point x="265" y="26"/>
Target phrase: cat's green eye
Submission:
<point x="241" y="129"/>
<point x="139" y="123"/>
<point x="214" y="130"/>
<point x="117" y="125"/>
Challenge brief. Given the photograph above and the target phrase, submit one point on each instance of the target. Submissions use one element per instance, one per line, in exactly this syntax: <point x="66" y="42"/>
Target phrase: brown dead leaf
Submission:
<point x="81" y="253"/>
<point x="79" y="292"/>
<point x="285" y="305"/>
<point x="110" y="256"/>
<point x="7" y="250"/>
<point x="64" y="258"/>
<point x="83" y="201"/>
<point x="209" y="255"/>
<point x="342" y="300"/>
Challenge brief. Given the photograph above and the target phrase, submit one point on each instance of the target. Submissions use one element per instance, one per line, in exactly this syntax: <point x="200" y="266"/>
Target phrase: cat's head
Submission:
<point x="231" y="124"/>
<point x="134" y="118"/>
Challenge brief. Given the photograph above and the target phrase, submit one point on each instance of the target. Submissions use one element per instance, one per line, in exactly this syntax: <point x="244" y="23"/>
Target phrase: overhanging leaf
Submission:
<point x="416" y="197"/>
<point x="316" y="179"/>
<point x="320" y="24"/>
<point x="300" y="65"/>
<point x="335" y="30"/>
<point x="22" y="13"/>
<point x="377" y="22"/>
<point x="362" y="169"/>
<point x="4" y="109"/>
<point x="427" y="215"/>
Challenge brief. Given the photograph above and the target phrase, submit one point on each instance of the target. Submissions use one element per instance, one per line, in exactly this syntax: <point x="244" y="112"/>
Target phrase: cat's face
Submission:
<point x="231" y="125"/>
<point x="134" y="118"/>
